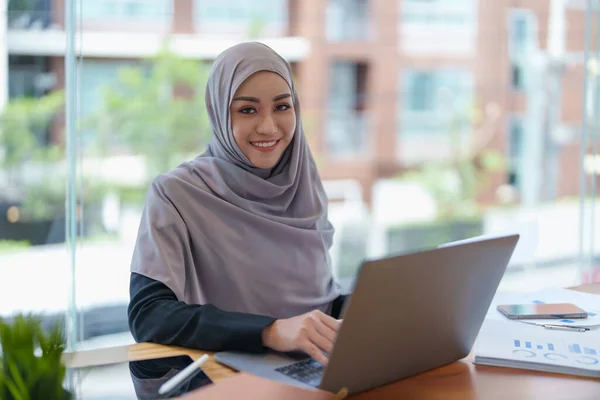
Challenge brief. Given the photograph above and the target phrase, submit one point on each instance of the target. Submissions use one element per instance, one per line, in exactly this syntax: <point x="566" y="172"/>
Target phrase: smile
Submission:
<point x="265" y="146"/>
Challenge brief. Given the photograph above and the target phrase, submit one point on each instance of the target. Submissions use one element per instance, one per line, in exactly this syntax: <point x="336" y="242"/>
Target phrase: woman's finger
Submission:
<point x="326" y="331"/>
<point x="315" y="353"/>
<point x="321" y="341"/>
<point x="330" y="322"/>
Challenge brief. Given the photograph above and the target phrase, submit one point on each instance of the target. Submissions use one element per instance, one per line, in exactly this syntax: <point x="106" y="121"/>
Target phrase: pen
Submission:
<point x="566" y="328"/>
<point x="182" y="376"/>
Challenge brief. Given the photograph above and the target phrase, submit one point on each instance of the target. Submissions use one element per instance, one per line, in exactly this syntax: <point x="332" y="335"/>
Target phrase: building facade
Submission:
<point x="386" y="85"/>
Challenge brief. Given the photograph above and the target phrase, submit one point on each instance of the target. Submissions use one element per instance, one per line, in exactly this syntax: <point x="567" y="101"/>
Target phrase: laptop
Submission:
<point x="407" y="314"/>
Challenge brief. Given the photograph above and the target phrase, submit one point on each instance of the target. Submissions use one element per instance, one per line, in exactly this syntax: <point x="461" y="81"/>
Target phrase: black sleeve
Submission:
<point x="338" y="305"/>
<point x="155" y="315"/>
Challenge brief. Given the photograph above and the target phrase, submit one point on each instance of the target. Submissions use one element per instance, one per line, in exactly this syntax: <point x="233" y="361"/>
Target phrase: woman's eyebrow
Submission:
<point x="255" y="100"/>
<point x="282" y="96"/>
<point x="246" y="98"/>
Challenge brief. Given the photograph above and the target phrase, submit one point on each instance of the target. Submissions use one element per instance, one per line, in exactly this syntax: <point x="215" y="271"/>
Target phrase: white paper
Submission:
<point x="529" y="346"/>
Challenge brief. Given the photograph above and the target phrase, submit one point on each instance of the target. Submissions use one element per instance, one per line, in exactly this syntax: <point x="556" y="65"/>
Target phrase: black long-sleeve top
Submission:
<point x="155" y="315"/>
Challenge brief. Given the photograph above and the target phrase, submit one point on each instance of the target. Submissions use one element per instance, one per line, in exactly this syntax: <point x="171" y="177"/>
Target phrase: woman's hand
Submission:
<point x="313" y="333"/>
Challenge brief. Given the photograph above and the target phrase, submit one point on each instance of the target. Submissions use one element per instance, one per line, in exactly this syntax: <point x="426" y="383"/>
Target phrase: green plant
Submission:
<point x="454" y="183"/>
<point x="30" y="362"/>
<point x="22" y="123"/>
<point x="11" y="245"/>
<point x="156" y="112"/>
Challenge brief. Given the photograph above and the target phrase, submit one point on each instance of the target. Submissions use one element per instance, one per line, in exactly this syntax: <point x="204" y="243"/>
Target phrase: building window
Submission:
<point x="435" y="104"/>
<point x="522" y="42"/>
<point x="515" y="152"/>
<point x="430" y="98"/>
<point x="30" y="77"/>
<point x="129" y="10"/>
<point x="242" y="17"/>
<point x="347" y="124"/>
<point x="438" y="27"/>
<point x="29" y="14"/>
<point x="421" y="91"/>
<point x="348" y="20"/>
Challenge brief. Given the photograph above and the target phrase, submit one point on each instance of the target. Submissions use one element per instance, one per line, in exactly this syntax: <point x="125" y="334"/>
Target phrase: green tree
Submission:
<point x="22" y="123"/>
<point x="157" y="111"/>
<point x="456" y="182"/>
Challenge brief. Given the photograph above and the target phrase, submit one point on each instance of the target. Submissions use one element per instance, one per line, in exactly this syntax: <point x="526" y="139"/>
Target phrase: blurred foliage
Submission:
<point x="46" y="199"/>
<point x="30" y="361"/>
<point x="456" y="182"/>
<point x="10" y="245"/>
<point x="21" y="123"/>
<point x="156" y="112"/>
<point x="256" y="28"/>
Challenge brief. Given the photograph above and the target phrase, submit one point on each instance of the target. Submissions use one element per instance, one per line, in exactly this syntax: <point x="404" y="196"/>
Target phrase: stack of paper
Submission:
<point x="509" y="343"/>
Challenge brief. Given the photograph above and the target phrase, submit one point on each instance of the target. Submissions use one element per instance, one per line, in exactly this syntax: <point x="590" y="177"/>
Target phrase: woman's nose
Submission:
<point x="267" y="125"/>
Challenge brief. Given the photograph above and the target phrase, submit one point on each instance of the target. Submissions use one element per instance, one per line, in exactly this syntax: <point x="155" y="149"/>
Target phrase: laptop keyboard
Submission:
<point x="307" y="371"/>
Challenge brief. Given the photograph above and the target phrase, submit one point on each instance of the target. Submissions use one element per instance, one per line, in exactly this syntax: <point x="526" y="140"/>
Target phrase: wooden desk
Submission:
<point x="461" y="380"/>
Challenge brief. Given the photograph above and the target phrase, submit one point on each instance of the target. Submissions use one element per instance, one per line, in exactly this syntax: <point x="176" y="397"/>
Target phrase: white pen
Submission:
<point x="566" y="328"/>
<point x="184" y="374"/>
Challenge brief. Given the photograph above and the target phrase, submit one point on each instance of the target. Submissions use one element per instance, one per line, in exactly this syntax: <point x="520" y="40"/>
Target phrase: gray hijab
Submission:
<point x="217" y="230"/>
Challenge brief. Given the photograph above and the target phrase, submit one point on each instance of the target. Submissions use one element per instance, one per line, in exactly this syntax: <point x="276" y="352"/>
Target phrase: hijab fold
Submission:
<point x="219" y="230"/>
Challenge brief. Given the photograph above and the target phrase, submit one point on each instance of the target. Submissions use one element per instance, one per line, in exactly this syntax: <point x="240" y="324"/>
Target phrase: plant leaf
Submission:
<point x="19" y="384"/>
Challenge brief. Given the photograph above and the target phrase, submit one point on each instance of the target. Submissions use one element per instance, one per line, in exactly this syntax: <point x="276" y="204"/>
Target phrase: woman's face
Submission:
<point x="263" y="118"/>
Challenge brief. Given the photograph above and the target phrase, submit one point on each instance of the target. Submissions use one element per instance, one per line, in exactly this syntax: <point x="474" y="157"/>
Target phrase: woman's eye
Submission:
<point x="248" y="110"/>
<point x="282" y="107"/>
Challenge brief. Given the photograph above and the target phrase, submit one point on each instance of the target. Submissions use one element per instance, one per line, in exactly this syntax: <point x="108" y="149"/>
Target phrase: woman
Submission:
<point x="232" y="250"/>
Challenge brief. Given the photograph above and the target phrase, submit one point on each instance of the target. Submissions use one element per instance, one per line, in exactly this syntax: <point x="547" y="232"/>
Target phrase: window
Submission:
<point x="435" y="103"/>
<point x="420" y="94"/>
<point x="347" y="20"/>
<point x="515" y="151"/>
<point x="130" y="10"/>
<point x="347" y="123"/>
<point x="242" y="17"/>
<point x="522" y="42"/>
<point x="28" y="76"/>
<point x="28" y="14"/>
<point x="440" y="27"/>
<point x="431" y="97"/>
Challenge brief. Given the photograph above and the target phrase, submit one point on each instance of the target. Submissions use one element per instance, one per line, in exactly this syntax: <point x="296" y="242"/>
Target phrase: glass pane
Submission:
<point x="430" y="121"/>
<point x="35" y="273"/>
<point x="589" y="268"/>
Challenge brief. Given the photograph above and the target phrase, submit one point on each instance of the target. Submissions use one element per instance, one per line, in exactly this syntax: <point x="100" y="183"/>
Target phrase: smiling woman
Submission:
<point x="233" y="246"/>
<point x="263" y="120"/>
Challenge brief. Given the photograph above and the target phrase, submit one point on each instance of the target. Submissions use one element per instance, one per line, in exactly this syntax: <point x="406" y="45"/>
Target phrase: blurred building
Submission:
<point x="385" y="84"/>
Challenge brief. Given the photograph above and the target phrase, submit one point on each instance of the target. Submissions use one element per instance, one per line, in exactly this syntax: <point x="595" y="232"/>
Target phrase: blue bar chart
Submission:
<point x="582" y="354"/>
<point x="529" y="345"/>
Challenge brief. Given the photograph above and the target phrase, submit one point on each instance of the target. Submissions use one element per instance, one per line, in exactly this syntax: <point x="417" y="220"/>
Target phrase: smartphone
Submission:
<point x="542" y="311"/>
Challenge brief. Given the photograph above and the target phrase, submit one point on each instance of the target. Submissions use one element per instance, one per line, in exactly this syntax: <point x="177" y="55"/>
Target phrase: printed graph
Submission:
<point x="558" y="352"/>
<point x="528" y="345"/>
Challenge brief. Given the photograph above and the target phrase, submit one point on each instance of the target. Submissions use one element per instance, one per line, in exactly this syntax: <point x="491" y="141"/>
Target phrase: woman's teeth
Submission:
<point x="265" y="144"/>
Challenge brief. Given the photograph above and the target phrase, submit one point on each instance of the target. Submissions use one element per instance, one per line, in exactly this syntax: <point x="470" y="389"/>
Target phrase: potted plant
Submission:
<point x="30" y="360"/>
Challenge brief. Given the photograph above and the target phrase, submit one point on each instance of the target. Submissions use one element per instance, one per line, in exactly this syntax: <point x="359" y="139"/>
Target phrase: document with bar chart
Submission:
<point x="514" y="345"/>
